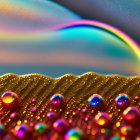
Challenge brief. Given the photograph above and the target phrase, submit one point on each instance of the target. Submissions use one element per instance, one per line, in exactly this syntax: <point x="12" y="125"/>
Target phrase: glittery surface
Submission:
<point x="35" y="91"/>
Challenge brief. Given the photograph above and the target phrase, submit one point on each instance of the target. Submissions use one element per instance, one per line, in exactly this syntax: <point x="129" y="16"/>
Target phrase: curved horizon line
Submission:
<point x="115" y="31"/>
<point x="103" y="26"/>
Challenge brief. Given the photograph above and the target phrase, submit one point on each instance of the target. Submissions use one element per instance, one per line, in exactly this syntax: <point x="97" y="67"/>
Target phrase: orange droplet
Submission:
<point x="10" y="100"/>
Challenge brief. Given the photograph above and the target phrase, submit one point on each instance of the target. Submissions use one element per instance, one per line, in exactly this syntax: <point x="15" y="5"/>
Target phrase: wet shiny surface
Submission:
<point x="37" y="90"/>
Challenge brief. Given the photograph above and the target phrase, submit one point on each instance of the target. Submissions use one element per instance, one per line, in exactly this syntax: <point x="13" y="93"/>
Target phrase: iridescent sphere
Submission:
<point x="34" y="109"/>
<point x="57" y="101"/>
<point x="51" y="116"/>
<point x="10" y="100"/>
<point x="22" y="131"/>
<point x="122" y="101"/>
<point x="84" y="110"/>
<point x="41" y="128"/>
<point x="60" y="125"/>
<point x="74" y="134"/>
<point x="2" y="130"/>
<point x="132" y="115"/>
<point x="14" y="115"/>
<point x="127" y="130"/>
<point x="102" y="119"/>
<point x="96" y="101"/>
<point x="136" y="98"/>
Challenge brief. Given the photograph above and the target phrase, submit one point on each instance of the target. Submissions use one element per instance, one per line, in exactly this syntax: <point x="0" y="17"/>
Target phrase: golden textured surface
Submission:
<point x="76" y="91"/>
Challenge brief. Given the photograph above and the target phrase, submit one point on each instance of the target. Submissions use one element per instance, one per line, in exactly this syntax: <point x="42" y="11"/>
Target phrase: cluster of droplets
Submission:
<point x="58" y="127"/>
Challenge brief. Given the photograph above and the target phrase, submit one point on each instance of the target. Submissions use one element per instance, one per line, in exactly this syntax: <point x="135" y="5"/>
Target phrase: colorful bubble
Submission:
<point x="60" y="125"/>
<point x="74" y="134"/>
<point x="41" y="128"/>
<point x="132" y="115"/>
<point x="10" y="100"/>
<point x="122" y="101"/>
<point x="51" y="116"/>
<point x="102" y="119"/>
<point x="22" y="131"/>
<point x="57" y="101"/>
<point x="96" y="101"/>
<point x="127" y="130"/>
<point x="14" y="115"/>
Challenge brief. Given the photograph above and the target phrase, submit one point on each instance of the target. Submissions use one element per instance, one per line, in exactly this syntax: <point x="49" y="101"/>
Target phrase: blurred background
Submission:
<point x="123" y="14"/>
<point x="74" y="36"/>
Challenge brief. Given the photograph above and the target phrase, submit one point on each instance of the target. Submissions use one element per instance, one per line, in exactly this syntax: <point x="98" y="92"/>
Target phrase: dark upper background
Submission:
<point x="123" y="14"/>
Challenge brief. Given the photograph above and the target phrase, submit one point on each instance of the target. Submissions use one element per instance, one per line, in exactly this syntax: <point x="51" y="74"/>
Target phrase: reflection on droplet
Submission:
<point x="10" y="100"/>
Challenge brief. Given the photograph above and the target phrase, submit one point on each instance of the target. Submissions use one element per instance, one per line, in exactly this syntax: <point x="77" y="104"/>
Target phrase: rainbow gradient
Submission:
<point x="38" y="36"/>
